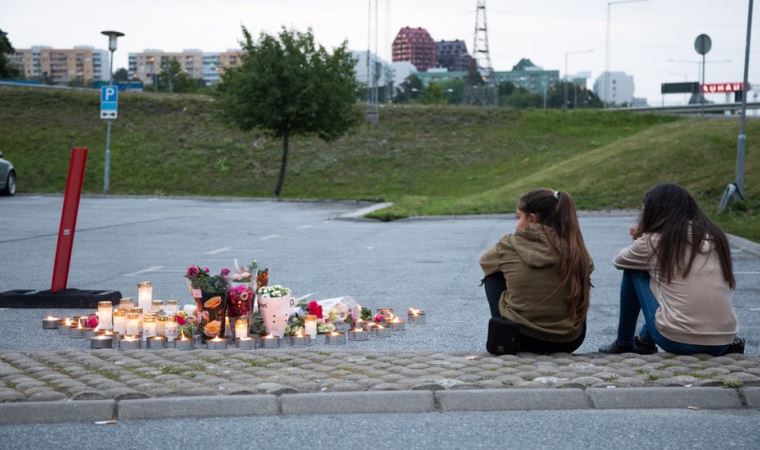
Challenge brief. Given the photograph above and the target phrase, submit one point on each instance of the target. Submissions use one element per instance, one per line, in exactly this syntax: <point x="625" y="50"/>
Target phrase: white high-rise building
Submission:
<point x="619" y="90"/>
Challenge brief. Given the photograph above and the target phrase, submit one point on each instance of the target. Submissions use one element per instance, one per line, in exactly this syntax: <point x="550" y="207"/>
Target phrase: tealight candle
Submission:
<point x="129" y="343"/>
<point x="245" y="343"/>
<point x="90" y="332"/>
<point x="105" y="315"/>
<point x="145" y="295"/>
<point x="217" y="343"/>
<point x="416" y="315"/>
<point x="50" y="323"/>
<point x="397" y="324"/>
<point x="120" y="320"/>
<point x="270" y="341"/>
<point x="360" y="323"/>
<point x="241" y="328"/>
<point x="335" y="338"/>
<point x="358" y="334"/>
<point x="300" y="340"/>
<point x="381" y="331"/>
<point x="132" y="326"/>
<point x="101" y="341"/>
<point x="156" y="342"/>
<point x="171" y="328"/>
<point x="183" y="343"/>
<point x="310" y="326"/>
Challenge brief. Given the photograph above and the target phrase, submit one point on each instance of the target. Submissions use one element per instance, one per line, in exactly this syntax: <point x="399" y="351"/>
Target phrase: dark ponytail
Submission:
<point x="556" y="209"/>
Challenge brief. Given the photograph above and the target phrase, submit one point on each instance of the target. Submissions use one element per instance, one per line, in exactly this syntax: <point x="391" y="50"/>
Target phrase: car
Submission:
<point x="7" y="177"/>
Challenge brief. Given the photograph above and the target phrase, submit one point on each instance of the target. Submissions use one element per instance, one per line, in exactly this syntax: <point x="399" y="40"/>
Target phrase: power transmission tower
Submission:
<point x="373" y="71"/>
<point x="486" y="93"/>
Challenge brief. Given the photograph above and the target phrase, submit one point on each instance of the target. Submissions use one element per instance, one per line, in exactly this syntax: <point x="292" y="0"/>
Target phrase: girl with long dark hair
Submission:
<point x="538" y="278"/>
<point x="678" y="272"/>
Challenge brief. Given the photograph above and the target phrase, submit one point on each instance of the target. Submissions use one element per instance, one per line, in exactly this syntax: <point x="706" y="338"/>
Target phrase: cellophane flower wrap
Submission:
<point x="240" y="300"/>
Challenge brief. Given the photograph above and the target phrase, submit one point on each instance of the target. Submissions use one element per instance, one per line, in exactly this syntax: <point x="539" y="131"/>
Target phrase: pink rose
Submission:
<point x="225" y="272"/>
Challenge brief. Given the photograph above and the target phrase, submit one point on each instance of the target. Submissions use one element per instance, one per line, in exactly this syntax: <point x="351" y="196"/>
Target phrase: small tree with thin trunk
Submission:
<point x="286" y="86"/>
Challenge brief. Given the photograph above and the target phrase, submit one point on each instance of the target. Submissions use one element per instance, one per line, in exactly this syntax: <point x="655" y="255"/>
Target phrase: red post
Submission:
<point x="68" y="219"/>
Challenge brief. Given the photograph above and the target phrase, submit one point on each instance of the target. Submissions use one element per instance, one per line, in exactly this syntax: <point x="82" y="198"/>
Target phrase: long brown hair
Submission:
<point x="556" y="209"/>
<point x="672" y="212"/>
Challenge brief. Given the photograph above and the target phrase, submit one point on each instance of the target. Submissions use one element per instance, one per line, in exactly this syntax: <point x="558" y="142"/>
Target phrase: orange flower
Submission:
<point x="213" y="303"/>
<point x="213" y="328"/>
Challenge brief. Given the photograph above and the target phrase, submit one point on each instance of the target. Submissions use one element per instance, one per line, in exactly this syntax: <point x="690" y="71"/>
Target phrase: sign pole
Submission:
<point x="107" y="161"/>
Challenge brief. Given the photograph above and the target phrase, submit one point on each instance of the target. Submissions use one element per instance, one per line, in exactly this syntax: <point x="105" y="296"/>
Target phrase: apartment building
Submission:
<point x="206" y="66"/>
<point x="62" y="66"/>
<point x="453" y="55"/>
<point x="416" y="46"/>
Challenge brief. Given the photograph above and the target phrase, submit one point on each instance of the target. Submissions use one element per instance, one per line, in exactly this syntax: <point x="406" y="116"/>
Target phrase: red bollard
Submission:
<point x="68" y="219"/>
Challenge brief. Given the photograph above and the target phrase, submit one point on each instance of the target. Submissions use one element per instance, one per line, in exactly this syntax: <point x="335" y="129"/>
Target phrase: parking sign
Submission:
<point x="109" y="102"/>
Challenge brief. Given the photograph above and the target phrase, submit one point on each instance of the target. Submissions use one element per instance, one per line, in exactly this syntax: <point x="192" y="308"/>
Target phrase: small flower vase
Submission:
<point x="276" y="311"/>
<point x="213" y="314"/>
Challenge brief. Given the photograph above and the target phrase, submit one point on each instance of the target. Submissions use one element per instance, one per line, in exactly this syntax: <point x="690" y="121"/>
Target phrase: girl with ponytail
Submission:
<point x="538" y="280"/>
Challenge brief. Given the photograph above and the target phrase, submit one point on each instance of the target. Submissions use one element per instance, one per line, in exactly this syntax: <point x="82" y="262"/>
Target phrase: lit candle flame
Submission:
<point x="380" y="327"/>
<point x="395" y="320"/>
<point x="51" y="318"/>
<point x="79" y="326"/>
<point x="216" y="339"/>
<point x="68" y="322"/>
<point x="299" y="334"/>
<point x="269" y="336"/>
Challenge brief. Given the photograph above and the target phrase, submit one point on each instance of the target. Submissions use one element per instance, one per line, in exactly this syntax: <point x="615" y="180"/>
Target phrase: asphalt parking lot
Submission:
<point x="428" y="263"/>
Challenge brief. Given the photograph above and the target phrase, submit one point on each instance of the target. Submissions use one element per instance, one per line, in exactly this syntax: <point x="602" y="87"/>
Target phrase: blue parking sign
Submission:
<point x="109" y="102"/>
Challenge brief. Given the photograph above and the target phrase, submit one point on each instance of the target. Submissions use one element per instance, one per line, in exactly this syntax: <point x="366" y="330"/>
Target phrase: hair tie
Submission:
<point x="556" y="195"/>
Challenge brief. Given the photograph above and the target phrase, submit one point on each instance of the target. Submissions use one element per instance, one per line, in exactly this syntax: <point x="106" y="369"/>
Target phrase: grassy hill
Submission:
<point x="429" y="160"/>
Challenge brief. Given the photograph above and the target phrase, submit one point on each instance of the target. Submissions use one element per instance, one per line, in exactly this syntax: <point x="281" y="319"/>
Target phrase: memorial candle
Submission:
<point x="310" y="326"/>
<point x="149" y="326"/>
<point x="145" y="295"/>
<point x="156" y="306"/>
<point x="241" y="328"/>
<point x="105" y="315"/>
<point x="50" y="323"/>
<point x="120" y="321"/>
<point x="171" y="307"/>
<point x="171" y="328"/>
<point x="132" y="325"/>
<point x="183" y="343"/>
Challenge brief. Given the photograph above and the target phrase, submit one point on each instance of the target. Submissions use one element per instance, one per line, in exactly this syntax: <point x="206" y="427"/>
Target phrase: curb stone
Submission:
<point x="216" y="406"/>
<point x="56" y="411"/>
<point x="512" y="399"/>
<point x="673" y="397"/>
<point x="374" y="402"/>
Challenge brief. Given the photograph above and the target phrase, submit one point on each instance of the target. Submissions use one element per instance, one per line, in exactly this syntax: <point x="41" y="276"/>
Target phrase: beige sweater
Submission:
<point x="532" y="299"/>
<point x="693" y="310"/>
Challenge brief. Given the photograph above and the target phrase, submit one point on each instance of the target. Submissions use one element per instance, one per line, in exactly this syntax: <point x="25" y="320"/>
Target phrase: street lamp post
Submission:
<point x="112" y="37"/>
<point x="736" y="189"/>
<point x="567" y="77"/>
<point x="607" y="45"/>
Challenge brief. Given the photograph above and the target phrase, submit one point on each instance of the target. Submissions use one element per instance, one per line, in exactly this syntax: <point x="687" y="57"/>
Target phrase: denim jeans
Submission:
<point x="494" y="285"/>
<point x="635" y="296"/>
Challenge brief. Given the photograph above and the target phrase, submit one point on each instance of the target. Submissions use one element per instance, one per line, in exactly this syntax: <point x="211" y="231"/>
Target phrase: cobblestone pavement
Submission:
<point x="112" y="374"/>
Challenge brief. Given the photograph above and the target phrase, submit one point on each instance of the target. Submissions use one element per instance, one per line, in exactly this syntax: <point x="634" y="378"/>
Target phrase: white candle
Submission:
<point x="171" y="329"/>
<point x="149" y="326"/>
<point x="145" y="295"/>
<point x="105" y="315"/>
<point x="156" y="306"/>
<point x="132" y="325"/>
<point x="171" y="307"/>
<point x="161" y="326"/>
<point x="241" y="328"/>
<point x="310" y="325"/>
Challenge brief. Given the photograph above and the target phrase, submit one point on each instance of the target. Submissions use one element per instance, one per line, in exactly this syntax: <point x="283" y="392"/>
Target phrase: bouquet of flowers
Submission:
<point x="240" y="300"/>
<point x="186" y="324"/>
<point x="274" y="291"/>
<point x="200" y="279"/>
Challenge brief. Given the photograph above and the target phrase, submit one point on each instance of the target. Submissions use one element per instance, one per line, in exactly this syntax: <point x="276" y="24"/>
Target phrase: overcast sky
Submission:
<point x="644" y="35"/>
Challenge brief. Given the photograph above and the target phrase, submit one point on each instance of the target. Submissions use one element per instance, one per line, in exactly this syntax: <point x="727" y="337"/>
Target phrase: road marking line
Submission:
<point x="746" y="273"/>
<point x="149" y="269"/>
<point x="219" y="250"/>
<point x="303" y="227"/>
<point x="271" y="236"/>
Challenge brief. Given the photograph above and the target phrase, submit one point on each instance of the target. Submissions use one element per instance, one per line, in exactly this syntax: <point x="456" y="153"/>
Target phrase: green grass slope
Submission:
<point x="429" y="160"/>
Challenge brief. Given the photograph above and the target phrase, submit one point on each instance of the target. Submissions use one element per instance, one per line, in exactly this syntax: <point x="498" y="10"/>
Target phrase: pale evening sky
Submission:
<point x="644" y="35"/>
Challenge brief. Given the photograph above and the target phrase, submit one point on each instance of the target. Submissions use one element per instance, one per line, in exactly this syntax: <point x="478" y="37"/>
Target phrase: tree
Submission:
<point x="576" y="94"/>
<point x="287" y="86"/>
<point x="7" y="70"/>
<point x="121" y="75"/>
<point x="410" y="90"/>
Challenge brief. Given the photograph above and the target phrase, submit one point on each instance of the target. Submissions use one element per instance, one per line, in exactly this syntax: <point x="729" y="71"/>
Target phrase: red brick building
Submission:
<point x="416" y="46"/>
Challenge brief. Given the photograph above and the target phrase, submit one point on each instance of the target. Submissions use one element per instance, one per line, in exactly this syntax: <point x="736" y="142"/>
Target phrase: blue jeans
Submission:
<point x="635" y="296"/>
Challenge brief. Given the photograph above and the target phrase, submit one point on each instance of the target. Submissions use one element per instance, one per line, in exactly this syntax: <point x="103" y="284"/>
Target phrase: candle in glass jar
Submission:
<point x="50" y="323"/>
<point x="132" y="323"/>
<point x="145" y="295"/>
<point x="161" y="326"/>
<point x="105" y="315"/>
<point x="171" y="307"/>
<point x="241" y="328"/>
<point x="156" y="306"/>
<point x="119" y="321"/>
<point x="127" y="303"/>
<point x="149" y="326"/>
<point x="310" y="325"/>
<point x="171" y="328"/>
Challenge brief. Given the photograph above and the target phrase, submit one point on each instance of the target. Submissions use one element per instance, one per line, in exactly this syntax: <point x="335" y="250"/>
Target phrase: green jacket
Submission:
<point x="531" y="269"/>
